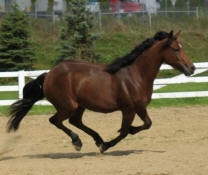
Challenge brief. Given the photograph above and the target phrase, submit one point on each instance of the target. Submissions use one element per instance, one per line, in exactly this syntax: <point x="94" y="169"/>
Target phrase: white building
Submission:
<point x="59" y="6"/>
<point x="151" y="6"/>
<point x="24" y="4"/>
<point x="41" y="5"/>
<point x="173" y="2"/>
<point x="2" y="6"/>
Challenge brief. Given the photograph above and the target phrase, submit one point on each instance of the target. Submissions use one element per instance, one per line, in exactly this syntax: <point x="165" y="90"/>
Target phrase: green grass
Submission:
<point x="184" y="87"/>
<point x="155" y="103"/>
<point x="42" y="110"/>
<point x="119" y="37"/>
<point x="36" y="110"/>
<point x="202" y="74"/>
<point x="179" y="102"/>
<point x="8" y="95"/>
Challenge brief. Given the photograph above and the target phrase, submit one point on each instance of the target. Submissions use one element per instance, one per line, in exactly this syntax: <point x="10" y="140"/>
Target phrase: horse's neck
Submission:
<point x="149" y="65"/>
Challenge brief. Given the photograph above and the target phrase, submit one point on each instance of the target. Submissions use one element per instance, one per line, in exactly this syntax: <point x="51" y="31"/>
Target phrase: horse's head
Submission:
<point x="174" y="55"/>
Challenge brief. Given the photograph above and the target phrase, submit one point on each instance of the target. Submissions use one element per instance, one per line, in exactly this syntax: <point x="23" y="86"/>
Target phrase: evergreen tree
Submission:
<point x="15" y="47"/>
<point x="67" y="3"/>
<point x="66" y="49"/>
<point x="77" y="41"/>
<point x="33" y="6"/>
<point x="50" y="6"/>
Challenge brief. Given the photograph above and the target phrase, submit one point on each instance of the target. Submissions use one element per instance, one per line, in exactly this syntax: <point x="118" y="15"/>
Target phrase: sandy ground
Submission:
<point x="177" y="144"/>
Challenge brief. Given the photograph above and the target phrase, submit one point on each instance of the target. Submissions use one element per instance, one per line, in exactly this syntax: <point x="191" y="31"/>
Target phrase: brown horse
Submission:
<point x="126" y="85"/>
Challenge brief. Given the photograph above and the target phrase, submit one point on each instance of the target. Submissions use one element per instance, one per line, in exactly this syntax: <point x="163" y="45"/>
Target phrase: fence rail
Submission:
<point x="158" y="83"/>
<point x="21" y="75"/>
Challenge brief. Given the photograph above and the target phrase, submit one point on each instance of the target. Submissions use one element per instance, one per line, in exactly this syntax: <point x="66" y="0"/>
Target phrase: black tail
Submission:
<point x="32" y="92"/>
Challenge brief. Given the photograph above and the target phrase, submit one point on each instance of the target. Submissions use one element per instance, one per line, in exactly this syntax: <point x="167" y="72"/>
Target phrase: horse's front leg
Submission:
<point x="127" y="119"/>
<point x="142" y="113"/>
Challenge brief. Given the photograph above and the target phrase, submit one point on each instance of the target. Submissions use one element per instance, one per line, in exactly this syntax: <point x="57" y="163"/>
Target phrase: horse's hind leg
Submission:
<point x="128" y="118"/>
<point x="76" y="120"/>
<point x="57" y="120"/>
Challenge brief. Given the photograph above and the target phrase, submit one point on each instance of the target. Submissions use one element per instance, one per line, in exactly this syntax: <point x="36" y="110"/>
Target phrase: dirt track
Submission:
<point x="177" y="144"/>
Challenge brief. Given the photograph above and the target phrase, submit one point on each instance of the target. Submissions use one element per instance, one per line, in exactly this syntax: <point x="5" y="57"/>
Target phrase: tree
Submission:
<point x="67" y="3"/>
<point x="76" y="38"/>
<point x="33" y="6"/>
<point x="15" y="46"/>
<point x="66" y="49"/>
<point x="50" y="6"/>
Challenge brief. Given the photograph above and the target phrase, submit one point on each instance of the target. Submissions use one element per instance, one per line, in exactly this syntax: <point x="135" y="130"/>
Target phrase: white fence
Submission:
<point x="158" y="83"/>
<point x="21" y="75"/>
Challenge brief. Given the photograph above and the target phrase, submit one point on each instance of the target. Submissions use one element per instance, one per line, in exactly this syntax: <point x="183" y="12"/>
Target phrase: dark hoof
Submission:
<point x="77" y="144"/>
<point x="98" y="144"/>
<point x="103" y="147"/>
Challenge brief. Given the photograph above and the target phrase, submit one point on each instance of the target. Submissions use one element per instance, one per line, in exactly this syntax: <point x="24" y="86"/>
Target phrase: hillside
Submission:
<point x="120" y="37"/>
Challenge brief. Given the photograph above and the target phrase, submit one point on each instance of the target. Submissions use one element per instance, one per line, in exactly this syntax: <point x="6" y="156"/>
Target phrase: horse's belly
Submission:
<point x="100" y="108"/>
<point x="98" y="101"/>
<point x="97" y="93"/>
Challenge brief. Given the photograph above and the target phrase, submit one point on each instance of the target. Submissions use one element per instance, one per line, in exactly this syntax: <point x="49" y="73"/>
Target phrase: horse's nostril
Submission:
<point x="193" y="69"/>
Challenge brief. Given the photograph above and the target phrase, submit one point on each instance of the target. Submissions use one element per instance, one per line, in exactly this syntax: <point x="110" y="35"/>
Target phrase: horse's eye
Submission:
<point x="175" y="49"/>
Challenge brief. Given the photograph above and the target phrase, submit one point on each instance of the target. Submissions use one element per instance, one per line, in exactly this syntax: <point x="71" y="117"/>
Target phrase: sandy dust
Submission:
<point x="177" y="144"/>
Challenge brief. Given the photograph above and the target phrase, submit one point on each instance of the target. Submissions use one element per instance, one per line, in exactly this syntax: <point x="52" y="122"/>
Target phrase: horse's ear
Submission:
<point x="177" y="34"/>
<point x="171" y="34"/>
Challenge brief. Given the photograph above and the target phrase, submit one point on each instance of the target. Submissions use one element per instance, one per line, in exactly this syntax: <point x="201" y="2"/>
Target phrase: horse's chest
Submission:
<point x="141" y="95"/>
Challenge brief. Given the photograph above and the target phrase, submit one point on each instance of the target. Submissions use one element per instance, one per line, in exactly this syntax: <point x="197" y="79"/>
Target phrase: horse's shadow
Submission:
<point x="80" y="155"/>
<point x="89" y="154"/>
<point x="74" y="155"/>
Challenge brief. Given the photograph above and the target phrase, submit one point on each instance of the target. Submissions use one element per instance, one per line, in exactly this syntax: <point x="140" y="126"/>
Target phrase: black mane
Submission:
<point x="129" y="58"/>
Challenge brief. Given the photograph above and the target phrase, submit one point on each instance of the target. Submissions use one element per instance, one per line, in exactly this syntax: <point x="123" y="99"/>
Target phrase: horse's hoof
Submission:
<point x="102" y="148"/>
<point x="77" y="148"/>
<point x="77" y="145"/>
<point x="98" y="144"/>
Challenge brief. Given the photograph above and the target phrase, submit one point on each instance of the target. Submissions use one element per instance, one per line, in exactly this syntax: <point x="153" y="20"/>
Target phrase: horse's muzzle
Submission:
<point x="189" y="70"/>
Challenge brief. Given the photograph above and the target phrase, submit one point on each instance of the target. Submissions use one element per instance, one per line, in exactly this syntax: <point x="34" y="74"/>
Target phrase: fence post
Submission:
<point x="54" y="17"/>
<point x="150" y="20"/>
<point x="36" y="8"/>
<point x="100" y="19"/>
<point x="197" y="12"/>
<point x="188" y="7"/>
<point x="21" y="82"/>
